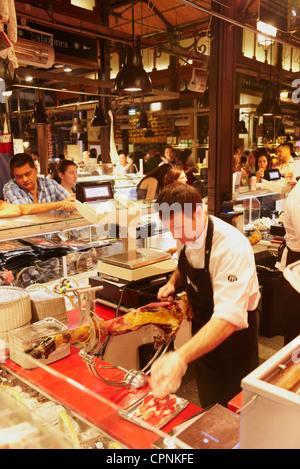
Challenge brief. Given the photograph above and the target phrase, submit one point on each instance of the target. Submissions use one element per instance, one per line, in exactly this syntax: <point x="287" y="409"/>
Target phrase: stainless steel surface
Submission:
<point x="135" y="259"/>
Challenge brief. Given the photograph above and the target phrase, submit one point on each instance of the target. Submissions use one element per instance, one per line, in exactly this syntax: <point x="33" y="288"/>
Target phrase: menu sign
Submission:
<point x="274" y="12"/>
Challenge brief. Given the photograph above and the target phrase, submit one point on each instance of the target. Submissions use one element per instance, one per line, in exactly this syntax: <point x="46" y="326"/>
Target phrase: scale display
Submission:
<point x="135" y="259"/>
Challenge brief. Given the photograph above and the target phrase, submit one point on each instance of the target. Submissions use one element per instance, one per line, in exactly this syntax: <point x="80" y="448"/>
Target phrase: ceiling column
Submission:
<point x="221" y="107"/>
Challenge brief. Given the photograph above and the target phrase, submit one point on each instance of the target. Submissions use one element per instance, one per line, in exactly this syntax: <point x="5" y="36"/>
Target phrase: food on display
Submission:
<point x="261" y="224"/>
<point x="154" y="411"/>
<point x="166" y="316"/>
<point x="255" y="237"/>
<point x="53" y="416"/>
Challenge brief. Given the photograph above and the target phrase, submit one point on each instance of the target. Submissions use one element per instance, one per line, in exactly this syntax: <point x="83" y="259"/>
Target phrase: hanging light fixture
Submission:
<point x="143" y="122"/>
<point x="132" y="77"/>
<point x="99" y="119"/>
<point x="39" y="116"/>
<point x="242" y="127"/>
<point x="77" y="127"/>
<point x="269" y="105"/>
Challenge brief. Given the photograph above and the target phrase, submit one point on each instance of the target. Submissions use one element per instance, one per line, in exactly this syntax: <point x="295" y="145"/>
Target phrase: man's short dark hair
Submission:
<point x="19" y="159"/>
<point x="182" y="195"/>
<point x="93" y="153"/>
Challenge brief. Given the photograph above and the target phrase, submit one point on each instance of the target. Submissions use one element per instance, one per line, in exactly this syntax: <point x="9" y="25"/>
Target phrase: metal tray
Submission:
<point x="128" y="414"/>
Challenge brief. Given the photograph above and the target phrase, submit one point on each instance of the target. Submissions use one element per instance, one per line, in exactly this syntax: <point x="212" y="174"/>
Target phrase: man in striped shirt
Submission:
<point x="34" y="194"/>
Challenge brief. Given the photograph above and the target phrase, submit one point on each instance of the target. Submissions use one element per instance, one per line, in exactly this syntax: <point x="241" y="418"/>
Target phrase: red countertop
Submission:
<point x="86" y="405"/>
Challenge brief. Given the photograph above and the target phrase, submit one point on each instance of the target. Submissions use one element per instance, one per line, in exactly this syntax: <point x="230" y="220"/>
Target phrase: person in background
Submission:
<point x="151" y="184"/>
<point x="66" y="175"/>
<point x="154" y="159"/>
<point x="34" y="194"/>
<point x="217" y="268"/>
<point x="188" y="164"/>
<point x="262" y="163"/>
<point x="131" y="167"/>
<point x="249" y="168"/>
<point x="169" y="157"/>
<point x="236" y="159"/>
<point x="35" y="156"/>
<point x="93" y="154"/>
<point x="175" y="175"/>
<point x="285" y="163"/>
<point x="122" y="162"/>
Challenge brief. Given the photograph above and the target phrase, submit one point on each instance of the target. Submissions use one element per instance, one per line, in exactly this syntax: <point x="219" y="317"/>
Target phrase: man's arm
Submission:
<point x="165" y="293"/>
<point x="212" y="334"/>
<point x="43" y="207"/>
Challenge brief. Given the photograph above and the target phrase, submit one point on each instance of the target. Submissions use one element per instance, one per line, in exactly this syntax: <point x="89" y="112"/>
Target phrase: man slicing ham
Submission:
<point x="217" y="268"/>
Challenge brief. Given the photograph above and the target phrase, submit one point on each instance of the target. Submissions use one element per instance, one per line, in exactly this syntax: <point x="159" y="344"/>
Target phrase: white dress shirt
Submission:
<point x="232" y="270"/>
<point x="292" y="219"/>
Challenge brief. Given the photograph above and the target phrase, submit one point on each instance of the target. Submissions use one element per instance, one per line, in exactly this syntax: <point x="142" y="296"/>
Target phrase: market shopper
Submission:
<point x="34" y="194"/>
<point x="175" y="175"/>
<point x="66" y="175"/>
<point x="151" y="184"/>
<point x="169" y="157"/>
<point x="216" y="266"/>
<point x="285" y="163"/>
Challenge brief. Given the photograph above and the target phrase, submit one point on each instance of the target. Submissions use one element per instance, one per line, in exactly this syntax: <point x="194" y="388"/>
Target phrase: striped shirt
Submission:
<point x="48" y="190"/>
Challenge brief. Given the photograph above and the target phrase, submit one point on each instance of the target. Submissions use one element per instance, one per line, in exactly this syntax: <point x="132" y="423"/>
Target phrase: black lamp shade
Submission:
<point x="269" y="105"/>
<point x="99" y="119"/>
<point x="76" y="126"/>
<point x="143" y="122"/>
<point x="242" y="128"/>
<point x="39" y="116"/>
<point x="132" y="77"/>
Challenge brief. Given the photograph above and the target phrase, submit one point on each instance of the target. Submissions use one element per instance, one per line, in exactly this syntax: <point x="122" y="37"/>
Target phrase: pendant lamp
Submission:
<point x="132" y="78"/>
<point x="143" y="122"/>
<point x="39" y="116"/>
<point x="269" y="105"/>
<point x="99" y="119"/>
<point x="77" y="127"/>
<point x="242" y="127"/>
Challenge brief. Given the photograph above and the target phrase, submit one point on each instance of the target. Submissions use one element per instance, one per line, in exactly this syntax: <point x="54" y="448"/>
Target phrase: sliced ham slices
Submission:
<point x="154" y="410"/>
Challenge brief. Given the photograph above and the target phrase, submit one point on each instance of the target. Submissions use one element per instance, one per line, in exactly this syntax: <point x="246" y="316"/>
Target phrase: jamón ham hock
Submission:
<point x="167" y="316"/>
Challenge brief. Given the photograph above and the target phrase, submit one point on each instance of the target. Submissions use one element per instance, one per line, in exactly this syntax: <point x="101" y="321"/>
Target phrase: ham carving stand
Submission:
<point x="132" y="378"/>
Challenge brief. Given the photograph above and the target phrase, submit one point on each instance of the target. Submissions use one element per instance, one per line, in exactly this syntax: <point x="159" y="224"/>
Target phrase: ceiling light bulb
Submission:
<point x="68" y="68"/>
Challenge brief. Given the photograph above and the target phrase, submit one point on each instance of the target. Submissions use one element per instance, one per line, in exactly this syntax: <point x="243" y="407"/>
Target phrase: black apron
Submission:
<point x="219" y="372"/>
<point x="291" y="314"/>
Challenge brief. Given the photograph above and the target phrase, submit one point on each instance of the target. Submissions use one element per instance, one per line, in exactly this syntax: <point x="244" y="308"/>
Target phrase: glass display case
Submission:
<point x="63" y="405"/>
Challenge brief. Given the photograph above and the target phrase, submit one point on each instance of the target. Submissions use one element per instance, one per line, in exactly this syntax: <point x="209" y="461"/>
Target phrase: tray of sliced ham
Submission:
<point x="154" y="411"/>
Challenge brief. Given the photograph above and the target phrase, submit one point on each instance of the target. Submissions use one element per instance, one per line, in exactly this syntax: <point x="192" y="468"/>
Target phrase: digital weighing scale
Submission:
<point x="139" y="270"/>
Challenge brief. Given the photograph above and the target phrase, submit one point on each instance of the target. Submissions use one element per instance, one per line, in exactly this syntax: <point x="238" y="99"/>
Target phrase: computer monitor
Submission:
<point x="92" y="192"/>
<point x="272" y="174"/>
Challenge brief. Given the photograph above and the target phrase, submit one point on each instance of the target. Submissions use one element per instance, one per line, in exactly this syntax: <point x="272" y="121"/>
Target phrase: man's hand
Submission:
<point x="166" y="374"/>
<point x="68" y="204"/>
<point x="166" y="292"/>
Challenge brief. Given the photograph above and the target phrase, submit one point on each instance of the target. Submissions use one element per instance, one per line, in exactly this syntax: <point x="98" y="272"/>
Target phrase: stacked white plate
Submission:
<point x="15" y="310"/>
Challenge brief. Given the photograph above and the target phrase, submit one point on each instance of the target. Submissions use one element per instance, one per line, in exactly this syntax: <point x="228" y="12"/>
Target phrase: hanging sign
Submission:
<point x="274" y="12"/>
<point x="66" y="43"/>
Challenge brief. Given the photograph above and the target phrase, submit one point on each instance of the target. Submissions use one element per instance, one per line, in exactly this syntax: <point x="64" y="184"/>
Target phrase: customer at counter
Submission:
<point x="175" y="175"/>
<point x="188" y="164"/>
<point x="217" y="268"/>
<point x="66" y="175"/>
<point x="262" y="164"/>
<point x="34" y="194"/>
<point x="169" y="157"/>
<point x="151" y="184"/>
<point x="285" y="163"/>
